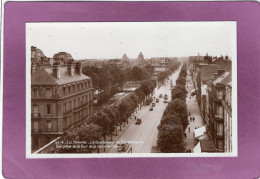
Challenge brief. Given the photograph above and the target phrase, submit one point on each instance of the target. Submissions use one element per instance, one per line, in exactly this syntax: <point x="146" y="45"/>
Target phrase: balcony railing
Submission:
<point x="48" y="129"/>
<point x="36" y="115"/>
<point x="219" y="117"/>
<point x="219" y="134"/>
<point x="67" y="112"/>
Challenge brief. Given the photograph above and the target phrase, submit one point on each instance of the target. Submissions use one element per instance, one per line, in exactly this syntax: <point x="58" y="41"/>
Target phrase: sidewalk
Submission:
<point x="193" y="109"/>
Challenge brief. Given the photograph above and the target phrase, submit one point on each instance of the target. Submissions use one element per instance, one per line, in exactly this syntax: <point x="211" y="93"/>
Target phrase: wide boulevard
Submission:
<point x="145" y="135"/>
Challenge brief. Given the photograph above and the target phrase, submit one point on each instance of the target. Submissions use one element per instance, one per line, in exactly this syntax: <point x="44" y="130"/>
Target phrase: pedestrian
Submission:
<point x="135" y="117"/>
<point x="190" y="119"/>
<point x="189" y="150"/>
<point x="193" y="119"/>
<point x="189" y="113"/>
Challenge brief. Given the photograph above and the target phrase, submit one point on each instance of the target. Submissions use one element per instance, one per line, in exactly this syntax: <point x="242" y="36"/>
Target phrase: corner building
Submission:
<point x="61" y="97"/>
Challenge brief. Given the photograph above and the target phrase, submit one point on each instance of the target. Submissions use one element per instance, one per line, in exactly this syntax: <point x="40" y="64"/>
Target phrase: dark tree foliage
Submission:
<point x="170" y="139"/>
<point x="86" y="132"/>
<point x="171" y="119"/>
<point x="178" y="93"/>
<point x="175" y="118"/>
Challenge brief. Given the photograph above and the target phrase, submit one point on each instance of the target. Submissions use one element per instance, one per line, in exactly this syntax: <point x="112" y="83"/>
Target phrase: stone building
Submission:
<point x="61" y="97"/>
<point x="63" y="58"/>
<point x="214" y="116"/>
<point x="227" y="103"/>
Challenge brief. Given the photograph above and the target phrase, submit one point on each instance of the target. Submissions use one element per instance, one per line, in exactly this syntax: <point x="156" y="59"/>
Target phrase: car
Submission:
<point x="122" y="147"/>
<point x="165" y="96"/>
<point x="160" y="96"/>
<point x="138" y="121"/>
<point x="151" y="108"/>
<point x="157" y="100"/>
<point x="165" y="101"/>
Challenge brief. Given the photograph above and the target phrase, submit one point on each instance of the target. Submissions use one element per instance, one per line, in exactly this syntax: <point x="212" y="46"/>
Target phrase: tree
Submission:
<point x="170" y="139"/>
<point x="112" y="119"/>
<point x="171" y="119"/>
<point x="178" y="93"/>
<point x="137" y="73"/>
<point x="179" y="108"/>
<point x="88" y="133"/>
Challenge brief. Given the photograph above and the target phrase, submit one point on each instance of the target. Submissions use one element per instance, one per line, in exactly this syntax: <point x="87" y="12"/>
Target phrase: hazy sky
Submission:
<point x="113" y="39"/>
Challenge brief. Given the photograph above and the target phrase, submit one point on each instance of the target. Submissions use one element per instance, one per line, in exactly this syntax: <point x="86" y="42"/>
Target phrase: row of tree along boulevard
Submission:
<point x="171" y="131"/>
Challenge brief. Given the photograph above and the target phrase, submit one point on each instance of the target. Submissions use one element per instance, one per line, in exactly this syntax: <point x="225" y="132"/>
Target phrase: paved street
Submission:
<point x="193" y="108"/>
<point x="145" y="134"/>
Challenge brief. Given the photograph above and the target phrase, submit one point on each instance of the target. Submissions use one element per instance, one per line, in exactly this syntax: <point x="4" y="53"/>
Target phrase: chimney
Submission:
<point x="78" y="68"/>
<point x="70" y="68"/>
<point x="33" y="68"/>
<point x="56" y="70"/>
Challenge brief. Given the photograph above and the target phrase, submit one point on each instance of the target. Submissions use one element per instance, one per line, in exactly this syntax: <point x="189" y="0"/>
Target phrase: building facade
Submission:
<point x="61" y="97"/>
<point x="215" y="109"/>
<point x="227" y="103"/>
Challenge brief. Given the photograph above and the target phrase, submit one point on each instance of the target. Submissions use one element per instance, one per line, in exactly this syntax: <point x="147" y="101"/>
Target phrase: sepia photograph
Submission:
<point x="131" y="89"/>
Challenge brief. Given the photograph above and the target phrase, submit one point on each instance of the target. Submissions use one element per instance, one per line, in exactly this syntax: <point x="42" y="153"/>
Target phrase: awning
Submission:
<point x="197" y="148"/>
<point x="200" y="133"/>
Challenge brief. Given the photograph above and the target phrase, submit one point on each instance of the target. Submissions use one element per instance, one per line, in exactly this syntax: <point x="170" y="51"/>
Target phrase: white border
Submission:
<point x="133" y="155"/>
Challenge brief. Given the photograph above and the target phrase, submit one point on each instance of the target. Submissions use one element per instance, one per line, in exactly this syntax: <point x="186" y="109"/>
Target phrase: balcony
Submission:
<point x="36" y="115"/>
<point x="48" y="129"/>
<point x="36" y="131"/>
<point x="219" y="117"/>
<point x="67" y="112"/>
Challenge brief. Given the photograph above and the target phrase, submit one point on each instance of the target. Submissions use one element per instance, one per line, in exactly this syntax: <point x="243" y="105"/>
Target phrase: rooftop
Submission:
<point x="224" y="78"/>
<point x="45" y="77"/>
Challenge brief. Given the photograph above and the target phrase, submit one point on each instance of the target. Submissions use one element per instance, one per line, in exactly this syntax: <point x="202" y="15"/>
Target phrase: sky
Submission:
<point x="108" y="40"/>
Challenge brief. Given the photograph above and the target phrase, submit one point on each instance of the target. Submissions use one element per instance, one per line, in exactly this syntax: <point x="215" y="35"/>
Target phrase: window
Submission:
<point x="220" y="129"/>
<point x="35" y="126"/>
<point x="35" y="93"/>
<point x="78" y="101"/>
<point x="35" y="111"/>
<point x="48" y="109"/>
<point x="70" y="107"/>
<point x="48" y="93"/>
<point x="82" y="100"/>
<point x="64" y="107"/>
<point x="75" y="103"/>
<point x="74" y="88"/>
<point x="35" y="143"/>
<point x="64" y="91"/>
<point x="48" y="139"/>
<point x="48" y="125"/>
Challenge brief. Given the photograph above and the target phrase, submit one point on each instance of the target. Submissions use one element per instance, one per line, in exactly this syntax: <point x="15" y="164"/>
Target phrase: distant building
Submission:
<point x="61" y="97"/>
<point x="160" y="64"/>
<point x="39" y="60"/>
<point x="222" y="63"/>
<point x="63" y="58"/>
